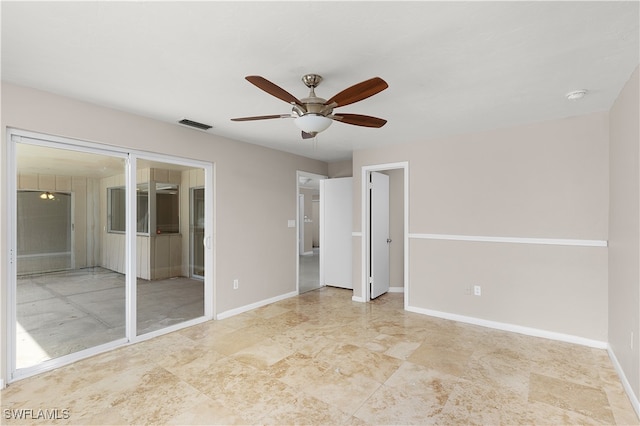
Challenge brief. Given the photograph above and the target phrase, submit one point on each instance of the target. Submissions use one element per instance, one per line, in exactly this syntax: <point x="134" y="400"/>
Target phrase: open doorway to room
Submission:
<point x="308" y="230"/>
<point x="385" y="241"/>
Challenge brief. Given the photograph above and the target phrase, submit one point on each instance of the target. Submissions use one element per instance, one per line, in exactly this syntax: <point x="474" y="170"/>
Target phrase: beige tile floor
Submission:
<point x="320" y="358"/>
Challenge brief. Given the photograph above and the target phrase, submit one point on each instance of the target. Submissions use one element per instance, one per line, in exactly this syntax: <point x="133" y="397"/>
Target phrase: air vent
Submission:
<point x="195" y="124"/>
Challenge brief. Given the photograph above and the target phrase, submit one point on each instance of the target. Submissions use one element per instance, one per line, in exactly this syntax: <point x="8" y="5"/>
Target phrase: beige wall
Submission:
<point x="260" y="251"/>
<point x="624" y="232"/>
<point x="542" y="180"/>
<point x="340" y="169"/>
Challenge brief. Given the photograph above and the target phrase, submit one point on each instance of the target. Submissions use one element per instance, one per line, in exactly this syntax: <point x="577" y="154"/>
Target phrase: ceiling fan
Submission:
<point x="313" y="114"/>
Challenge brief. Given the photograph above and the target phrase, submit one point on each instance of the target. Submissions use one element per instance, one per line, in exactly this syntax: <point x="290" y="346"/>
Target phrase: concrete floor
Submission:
<point x="309" y="272"/>
<point x="65" y="312"/>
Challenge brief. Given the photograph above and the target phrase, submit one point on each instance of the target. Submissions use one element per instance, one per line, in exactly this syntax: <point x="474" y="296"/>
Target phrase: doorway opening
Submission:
<point x="385" y="224"/>
<point x="308" y="231"/>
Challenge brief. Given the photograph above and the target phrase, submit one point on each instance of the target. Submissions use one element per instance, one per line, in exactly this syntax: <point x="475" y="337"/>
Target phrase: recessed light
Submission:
<point x="576" y="94"/>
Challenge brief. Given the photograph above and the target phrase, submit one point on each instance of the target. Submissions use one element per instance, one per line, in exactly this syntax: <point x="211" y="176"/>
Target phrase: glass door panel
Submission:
<point x="69" y="283"/>
<point x="167" y="293"/>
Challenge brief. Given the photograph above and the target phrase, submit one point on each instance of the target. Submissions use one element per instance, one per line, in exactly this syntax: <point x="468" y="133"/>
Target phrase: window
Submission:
<point x="167" y="211"/>
<point x="167" y="208"/>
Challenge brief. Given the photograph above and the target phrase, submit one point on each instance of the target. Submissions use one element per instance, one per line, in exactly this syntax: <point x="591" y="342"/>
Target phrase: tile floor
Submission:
<point x="320" y="358"/>
<point x="309" y="272"/>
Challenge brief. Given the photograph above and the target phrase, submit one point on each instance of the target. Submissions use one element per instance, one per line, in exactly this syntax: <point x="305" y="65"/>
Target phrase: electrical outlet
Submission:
<point x="477" y="290"/>
<point x="235" y="284"/>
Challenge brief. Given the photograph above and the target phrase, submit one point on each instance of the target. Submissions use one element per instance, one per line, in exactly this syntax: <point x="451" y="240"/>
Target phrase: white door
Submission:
<point x="379" y="235"/>
<point x="301" y="224"/>
<point x="336" y="207"/>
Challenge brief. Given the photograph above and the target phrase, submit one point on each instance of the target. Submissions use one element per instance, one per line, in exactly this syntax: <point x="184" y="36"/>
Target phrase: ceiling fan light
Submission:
<point x="313" y="123"/>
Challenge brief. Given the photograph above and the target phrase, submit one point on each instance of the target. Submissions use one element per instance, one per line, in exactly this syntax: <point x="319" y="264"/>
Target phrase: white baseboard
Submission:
<point x="252" y="306"/>
<point x="1" y="383"/>
<point x="358" y="299"/>
<point x="625" y="383"/>
<point x="512" y="328"/>
<point x="396" y="289"/>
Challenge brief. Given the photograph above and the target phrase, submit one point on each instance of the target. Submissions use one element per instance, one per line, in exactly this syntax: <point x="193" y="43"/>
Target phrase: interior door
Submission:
<point x="379" y="234"/>
<point x="336" y="201"/>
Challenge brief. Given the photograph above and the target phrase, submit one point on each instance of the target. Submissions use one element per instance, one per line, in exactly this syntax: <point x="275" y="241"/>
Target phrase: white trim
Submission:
<point x="131" y="267"/>
<point x="52" y="363"/>
<point x="82" y="145"/>
<point x="514" y="240"/>
<point x="211" y="251"/>
<point x="10" y="318"/>
<point x="356" y="234"/>
<point x="61" y="253"/>
<point x="2" y="386"/>
<point x="358" y="299"/>
<point x="396" y="289"/>
<point x="170" y="329"/>
<point x="625" y="383"/>
<point x="252" y="306"/>
<point x="307" y="253"/>
<point x="529" y="331"/>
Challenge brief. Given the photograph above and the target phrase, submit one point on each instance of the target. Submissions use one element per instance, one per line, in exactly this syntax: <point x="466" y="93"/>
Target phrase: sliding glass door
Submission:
<point x="66" y="297"/>
<point x="167" y="294"/>
<point x="102" y="249"/>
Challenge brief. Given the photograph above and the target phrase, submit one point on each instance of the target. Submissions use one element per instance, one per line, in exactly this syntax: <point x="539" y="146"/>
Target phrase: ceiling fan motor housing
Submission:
<point x="311" y="80"/>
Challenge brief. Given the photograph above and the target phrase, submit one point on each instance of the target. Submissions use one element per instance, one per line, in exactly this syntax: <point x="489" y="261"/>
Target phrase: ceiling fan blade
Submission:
<point x="261" y="117"/>
<point x="306" y="135"/>
<point x="358" y="92"/>
<point x="272" y="89"/>
<point x="360" y="120"/>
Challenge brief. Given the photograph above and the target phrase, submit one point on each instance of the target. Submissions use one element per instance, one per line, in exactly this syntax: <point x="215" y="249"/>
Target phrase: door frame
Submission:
<point x="130" y="156"/>
<point x="192" y="241"/>
<point x="365" y="212"/>
<point x="298" y="225"/>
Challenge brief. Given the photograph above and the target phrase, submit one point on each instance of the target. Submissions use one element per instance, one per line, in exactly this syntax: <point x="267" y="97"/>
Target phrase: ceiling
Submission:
<point x="452" y="67"/>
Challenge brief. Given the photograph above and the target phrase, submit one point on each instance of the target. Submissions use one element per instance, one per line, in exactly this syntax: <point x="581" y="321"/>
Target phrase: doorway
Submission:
<point x="385" y="250"/>
<point x="308" y="231"/>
